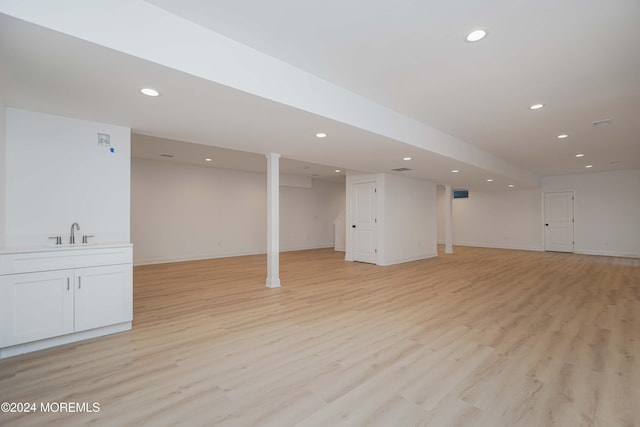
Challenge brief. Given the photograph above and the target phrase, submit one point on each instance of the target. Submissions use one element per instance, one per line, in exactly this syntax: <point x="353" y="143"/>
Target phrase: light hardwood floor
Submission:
<point x="481" y="337"/>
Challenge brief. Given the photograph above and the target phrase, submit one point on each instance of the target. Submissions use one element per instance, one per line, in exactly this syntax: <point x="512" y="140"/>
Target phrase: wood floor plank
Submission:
<point x="481" y="337"/>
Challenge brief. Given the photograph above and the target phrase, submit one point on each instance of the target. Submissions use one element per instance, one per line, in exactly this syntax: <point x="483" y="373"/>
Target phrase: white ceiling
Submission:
<point x="168" y="150"/>
<point x="580" y="58"/>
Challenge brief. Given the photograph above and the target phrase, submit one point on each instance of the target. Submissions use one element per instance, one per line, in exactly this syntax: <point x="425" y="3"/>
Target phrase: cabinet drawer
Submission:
<point x="60" y="259"/>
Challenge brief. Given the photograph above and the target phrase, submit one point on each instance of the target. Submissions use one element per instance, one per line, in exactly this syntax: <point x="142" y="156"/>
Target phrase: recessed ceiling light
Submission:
<point x="207" y="160"/>
<point x="489" y="180"/>
<point x="406" y="158"/>
<point x="337" y="170"/>
<point x="321" y="135"/>
<point x="511" y="185"/>
<point x="149" y="92"/>
<point x="588" y="166"/>
<point x="579" y="155"/>
<point x="455" y="171"/>
<point x="476" y="35"/>
<point x="536" y="106"/>
<point x="563" y="136"/>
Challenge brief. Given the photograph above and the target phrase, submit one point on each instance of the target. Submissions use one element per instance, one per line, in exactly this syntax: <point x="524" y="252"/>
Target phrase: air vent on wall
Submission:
<point x="602" y="123"/>
<point x="401" y="169"/>
<point x="461" y="194"/>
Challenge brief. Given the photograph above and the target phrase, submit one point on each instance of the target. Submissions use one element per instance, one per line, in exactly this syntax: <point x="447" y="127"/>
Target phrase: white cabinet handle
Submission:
<point x="79" y="282"/>
<point x="68" y="288"/>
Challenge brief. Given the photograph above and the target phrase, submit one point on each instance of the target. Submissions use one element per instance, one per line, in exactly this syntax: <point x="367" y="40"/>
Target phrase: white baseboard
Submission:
<point x="197" y="257"/>
<point x="608" y="253"/>
<point x="500" y="246"/>
<point x="409" y="259"/>
<point x="64" y="339"/>
<point x="193" y="257"/>
<point x="540" y="248"/>
<point x="306" y="248"/>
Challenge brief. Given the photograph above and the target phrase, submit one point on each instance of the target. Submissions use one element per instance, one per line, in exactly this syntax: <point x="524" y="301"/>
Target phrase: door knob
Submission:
<point x="353" y="226"/>
<point x="546" y="225"/>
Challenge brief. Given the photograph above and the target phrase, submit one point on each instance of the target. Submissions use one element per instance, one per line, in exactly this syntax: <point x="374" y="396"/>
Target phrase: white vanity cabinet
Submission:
<point x="35" y="306"/>
<point x="56" y="296"/>
<point x="103" y="296"/>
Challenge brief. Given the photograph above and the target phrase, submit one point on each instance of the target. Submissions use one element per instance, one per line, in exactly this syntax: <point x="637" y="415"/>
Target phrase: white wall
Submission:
<point x="3" y="160"/>
<point x="607" y="215"/>
<point x="57" y="173"/>
<point x="410" y="220"/>
<point x="607" y="211"/>
<point x="406" y="218"/>
<point x="340" y="231"/>
<point x="498" y="219"/>
<point x="183" y="212"/>
<point x="440" y="198"/>
<point x="307" y="215"/>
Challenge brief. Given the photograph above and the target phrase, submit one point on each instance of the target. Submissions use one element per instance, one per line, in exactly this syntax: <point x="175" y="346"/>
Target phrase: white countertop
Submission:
<point x="64" y="247"/>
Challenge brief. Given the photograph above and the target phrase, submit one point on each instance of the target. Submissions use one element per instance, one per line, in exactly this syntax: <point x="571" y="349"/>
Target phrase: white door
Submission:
<point x="558" y="221"/>
<point x="35" y="306"/>
<point x="363" y="222"/>
<point x="103" y="296"/>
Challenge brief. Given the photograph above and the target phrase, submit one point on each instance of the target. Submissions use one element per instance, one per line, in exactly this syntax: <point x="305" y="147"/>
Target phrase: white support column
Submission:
<point x="273" y="220"/>
<point x="448" y="212"/>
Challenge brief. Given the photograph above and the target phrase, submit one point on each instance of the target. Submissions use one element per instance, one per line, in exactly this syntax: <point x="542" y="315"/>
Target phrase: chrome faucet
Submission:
<point x="72" y="238"/>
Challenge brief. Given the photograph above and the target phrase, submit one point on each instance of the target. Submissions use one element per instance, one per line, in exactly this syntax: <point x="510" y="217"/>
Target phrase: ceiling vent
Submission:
<point x="602" y="123"/>
<point x="401" y="169"/>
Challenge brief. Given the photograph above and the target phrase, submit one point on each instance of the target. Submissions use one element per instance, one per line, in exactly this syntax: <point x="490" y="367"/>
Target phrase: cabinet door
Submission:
<point x="103" y="296"/>
<point x="35" y="306"/>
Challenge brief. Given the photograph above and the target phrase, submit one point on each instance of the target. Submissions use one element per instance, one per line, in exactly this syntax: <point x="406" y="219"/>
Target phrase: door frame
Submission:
<point x="542" y="224"/>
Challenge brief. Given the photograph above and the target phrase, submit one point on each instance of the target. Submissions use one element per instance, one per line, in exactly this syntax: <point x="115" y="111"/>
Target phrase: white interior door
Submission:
<point x="558" y="221"/>
<point x="363" y="222"/>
